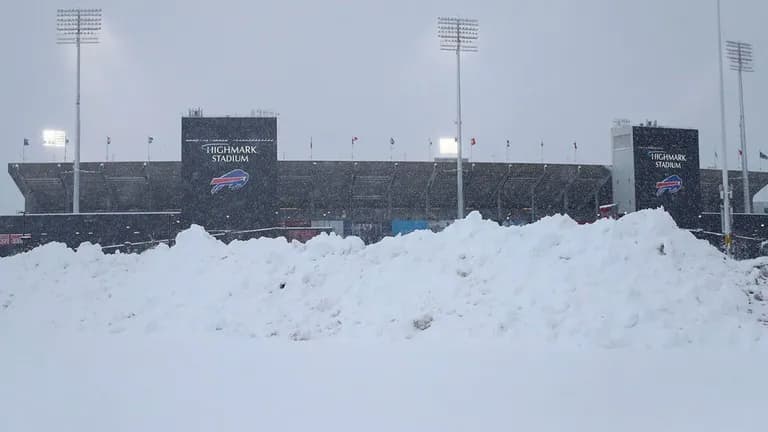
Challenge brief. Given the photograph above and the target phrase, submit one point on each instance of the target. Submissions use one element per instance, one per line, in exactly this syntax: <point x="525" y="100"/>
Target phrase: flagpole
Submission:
<point x="506" y="158"/>
<point x="542" y="151"/>
<point x="310" y="148"/>
<point x="575" y="152"/>
<point x="353" y="149"/>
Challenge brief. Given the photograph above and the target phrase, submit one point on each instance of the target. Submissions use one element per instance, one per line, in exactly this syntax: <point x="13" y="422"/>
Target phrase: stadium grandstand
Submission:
<point x="364" y="198"/>
<point x="361" y="192"/>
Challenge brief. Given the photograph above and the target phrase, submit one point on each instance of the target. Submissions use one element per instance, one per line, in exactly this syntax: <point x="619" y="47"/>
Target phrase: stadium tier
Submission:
<point x="357" y="190"/>
<point x="362" y="192"/>
<point x="136" y="202"/>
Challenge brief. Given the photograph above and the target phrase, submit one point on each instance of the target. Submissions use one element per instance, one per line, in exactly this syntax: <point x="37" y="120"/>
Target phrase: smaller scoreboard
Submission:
<point x="657" y="167"/>
<point x="229" y="172"/>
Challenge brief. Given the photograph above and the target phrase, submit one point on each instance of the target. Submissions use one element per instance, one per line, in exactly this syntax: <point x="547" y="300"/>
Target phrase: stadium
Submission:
<point x="142" y="203"/>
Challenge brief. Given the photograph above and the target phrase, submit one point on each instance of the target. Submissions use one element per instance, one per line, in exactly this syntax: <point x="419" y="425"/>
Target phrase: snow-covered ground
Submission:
<point x="129" y="383"/>
<point x="618" y="325"/>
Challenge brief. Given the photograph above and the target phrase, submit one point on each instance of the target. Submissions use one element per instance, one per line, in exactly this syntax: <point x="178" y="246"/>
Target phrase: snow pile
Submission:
<point x="639" y="281"/>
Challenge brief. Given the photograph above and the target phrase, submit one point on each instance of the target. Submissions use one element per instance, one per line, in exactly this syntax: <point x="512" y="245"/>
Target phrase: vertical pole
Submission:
<point x="459" y="168"/>
<point x="726" y="217"/>
<point x="76" y="186"/>
<point x="743" y="136"/>
<point x="106" y="154"/>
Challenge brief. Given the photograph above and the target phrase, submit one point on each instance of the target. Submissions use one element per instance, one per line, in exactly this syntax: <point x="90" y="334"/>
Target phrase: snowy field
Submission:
<point x="628" y="325"/>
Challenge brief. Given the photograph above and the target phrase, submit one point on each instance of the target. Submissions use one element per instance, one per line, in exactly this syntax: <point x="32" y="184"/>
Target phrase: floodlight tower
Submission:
<point x="458" y="35"/>
<point x="76" y="27"/>
<point x="726" y="193"/>
<point x="740" y="55"/>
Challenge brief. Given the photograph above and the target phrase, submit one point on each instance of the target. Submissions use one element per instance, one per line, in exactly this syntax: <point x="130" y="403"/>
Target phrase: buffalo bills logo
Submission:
<point x="671" y="184"/>
<point x="233" y="180"/>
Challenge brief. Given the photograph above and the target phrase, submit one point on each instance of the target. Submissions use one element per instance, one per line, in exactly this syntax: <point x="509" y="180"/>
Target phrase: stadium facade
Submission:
<point x="230" y="181"/>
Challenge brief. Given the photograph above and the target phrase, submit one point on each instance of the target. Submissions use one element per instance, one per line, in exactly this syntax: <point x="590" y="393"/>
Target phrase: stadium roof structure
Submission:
<point x="359" y="191"/>
<point x="105" y="186"/>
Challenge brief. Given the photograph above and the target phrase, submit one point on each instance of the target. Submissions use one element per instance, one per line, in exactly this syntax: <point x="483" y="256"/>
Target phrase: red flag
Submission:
<point x="472" y="141"/>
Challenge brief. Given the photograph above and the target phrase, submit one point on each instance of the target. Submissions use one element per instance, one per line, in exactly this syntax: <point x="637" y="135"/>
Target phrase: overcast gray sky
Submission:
<point x="557" y="70"/>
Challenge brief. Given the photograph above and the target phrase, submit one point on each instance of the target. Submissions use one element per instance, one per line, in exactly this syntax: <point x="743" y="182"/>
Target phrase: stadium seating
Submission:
<point x="363" y="191"/>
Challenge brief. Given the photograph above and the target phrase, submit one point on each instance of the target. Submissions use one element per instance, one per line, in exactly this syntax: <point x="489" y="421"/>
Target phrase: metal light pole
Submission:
<point x="458" y="35"/>
<point x="740" y="55"/>
<point x="723" y="137"/>
<point x="77" y="26"/>
<point x="150" y="140"/>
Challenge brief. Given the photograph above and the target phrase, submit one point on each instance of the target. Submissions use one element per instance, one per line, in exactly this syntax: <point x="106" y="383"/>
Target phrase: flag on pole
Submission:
<point x="109" y="140"/>
<point x="391" y="141"/>
<point x="26" y="143"/>
<point x="740" y="153"/>
<point x="473" y="141"/>
<point x="310" y="142"/>
<point x="575" y="147"/>
<point x="354" y="138"/>
<point x="763" y="155"/>
<point x="150" y="140"/>
<point x="430" y="142"/>
<point x="507" y="143"/>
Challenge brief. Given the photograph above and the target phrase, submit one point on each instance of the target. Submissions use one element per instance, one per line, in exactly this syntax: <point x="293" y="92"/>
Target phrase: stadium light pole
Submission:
<point x="726" y="217"/>
<point x="458" y="35"/>
<point x="76" y="27"/>
<point x="740" y="55"/>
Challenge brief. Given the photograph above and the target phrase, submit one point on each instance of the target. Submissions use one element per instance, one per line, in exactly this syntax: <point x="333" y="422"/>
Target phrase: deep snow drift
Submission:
<point x="639" y="281"/>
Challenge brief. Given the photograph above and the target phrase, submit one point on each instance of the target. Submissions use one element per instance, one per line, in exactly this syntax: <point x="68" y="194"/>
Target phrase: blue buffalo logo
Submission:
<point x="671" y="184"/>
<point x="233" y="180"/>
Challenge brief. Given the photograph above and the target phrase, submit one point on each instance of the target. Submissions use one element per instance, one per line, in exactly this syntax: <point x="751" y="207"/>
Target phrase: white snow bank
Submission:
<point x="639" y="281"/>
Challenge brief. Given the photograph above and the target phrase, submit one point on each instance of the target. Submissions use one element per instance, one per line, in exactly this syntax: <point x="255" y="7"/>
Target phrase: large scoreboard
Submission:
<point x="229" y="172"/>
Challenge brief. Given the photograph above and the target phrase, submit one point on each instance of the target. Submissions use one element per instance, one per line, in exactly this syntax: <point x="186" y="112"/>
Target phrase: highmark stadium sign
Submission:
<point x="667" y="173"/>
<point x="229" y="167"/>
<point x="236" y="150"/>
<point x="665" y="160"/>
